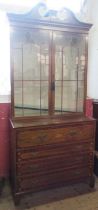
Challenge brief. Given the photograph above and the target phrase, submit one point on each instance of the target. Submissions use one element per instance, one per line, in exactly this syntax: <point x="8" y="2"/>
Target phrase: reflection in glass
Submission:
<point x="81" y="68"/>
<point x="17" y="62"/>
<point x="58" y="66"/>
<point x="69" y="96"/>
<point x="31" y="66"/>
<point x="80" y="96"/>
<point x="18" y="98"/>
<point x="58" y="102"/>
<point x="31" y="97"/>
<point x="44" y="97"/>
<point x="44" y="64"/>
<point x="66" y="55"/>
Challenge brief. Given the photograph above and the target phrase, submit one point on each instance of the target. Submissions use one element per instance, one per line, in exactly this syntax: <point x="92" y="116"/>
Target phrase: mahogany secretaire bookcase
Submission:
<point x="52" y="141"/>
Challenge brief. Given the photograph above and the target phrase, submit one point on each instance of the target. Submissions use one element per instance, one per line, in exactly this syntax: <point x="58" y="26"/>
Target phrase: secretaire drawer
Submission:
<point x="47" y="136"/>
<point x="52" y="164"/>
<point x="45" y="151"/>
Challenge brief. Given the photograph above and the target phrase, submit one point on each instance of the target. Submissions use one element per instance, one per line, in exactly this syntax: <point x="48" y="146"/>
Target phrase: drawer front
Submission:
<point x="53" y="150"/>
<point x="51" y="165"/>
<point x="40" y="137"/>
<point x="26" y="183"/>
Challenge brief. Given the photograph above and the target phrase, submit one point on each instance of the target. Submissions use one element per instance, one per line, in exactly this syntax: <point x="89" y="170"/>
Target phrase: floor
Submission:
<point x="74" y="197"/>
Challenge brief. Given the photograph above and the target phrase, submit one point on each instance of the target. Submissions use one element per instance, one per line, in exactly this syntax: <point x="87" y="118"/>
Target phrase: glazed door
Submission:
<point x="69" y="72"/>
<point x="31" y="67"/>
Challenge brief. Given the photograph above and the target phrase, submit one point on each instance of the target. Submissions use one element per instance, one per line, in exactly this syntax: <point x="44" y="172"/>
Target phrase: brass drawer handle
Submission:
<point x="35" y="182"/>
<point x="72" y="133"/>
<point x="79" y="146"/>
<point x="33" y="167"/>
<point x="77" y="172"/>
<point x="34" y="154"/>
<point x="42" y="138"/>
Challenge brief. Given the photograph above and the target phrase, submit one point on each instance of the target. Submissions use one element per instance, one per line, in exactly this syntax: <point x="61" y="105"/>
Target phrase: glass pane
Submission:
<point x="17" y="64"/>
<point x="18" y="102"/>
<point x="58" y="105"/>
<point x="69" y="96"/>
<point x="31" y="98"/>
<point x="44" y="98"/>
<point x="34" y="48"/>
<point x="81" y="66"/>
<point x="58" y="65"/>
<point x="69" y="56"/>
<point x="31" y="65"/>
<point x="80" y="96"/>
<point x="44" y="64"/>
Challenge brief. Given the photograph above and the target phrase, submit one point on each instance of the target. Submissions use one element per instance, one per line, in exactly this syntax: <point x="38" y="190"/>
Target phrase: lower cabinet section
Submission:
<point x="52" y="155"/>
